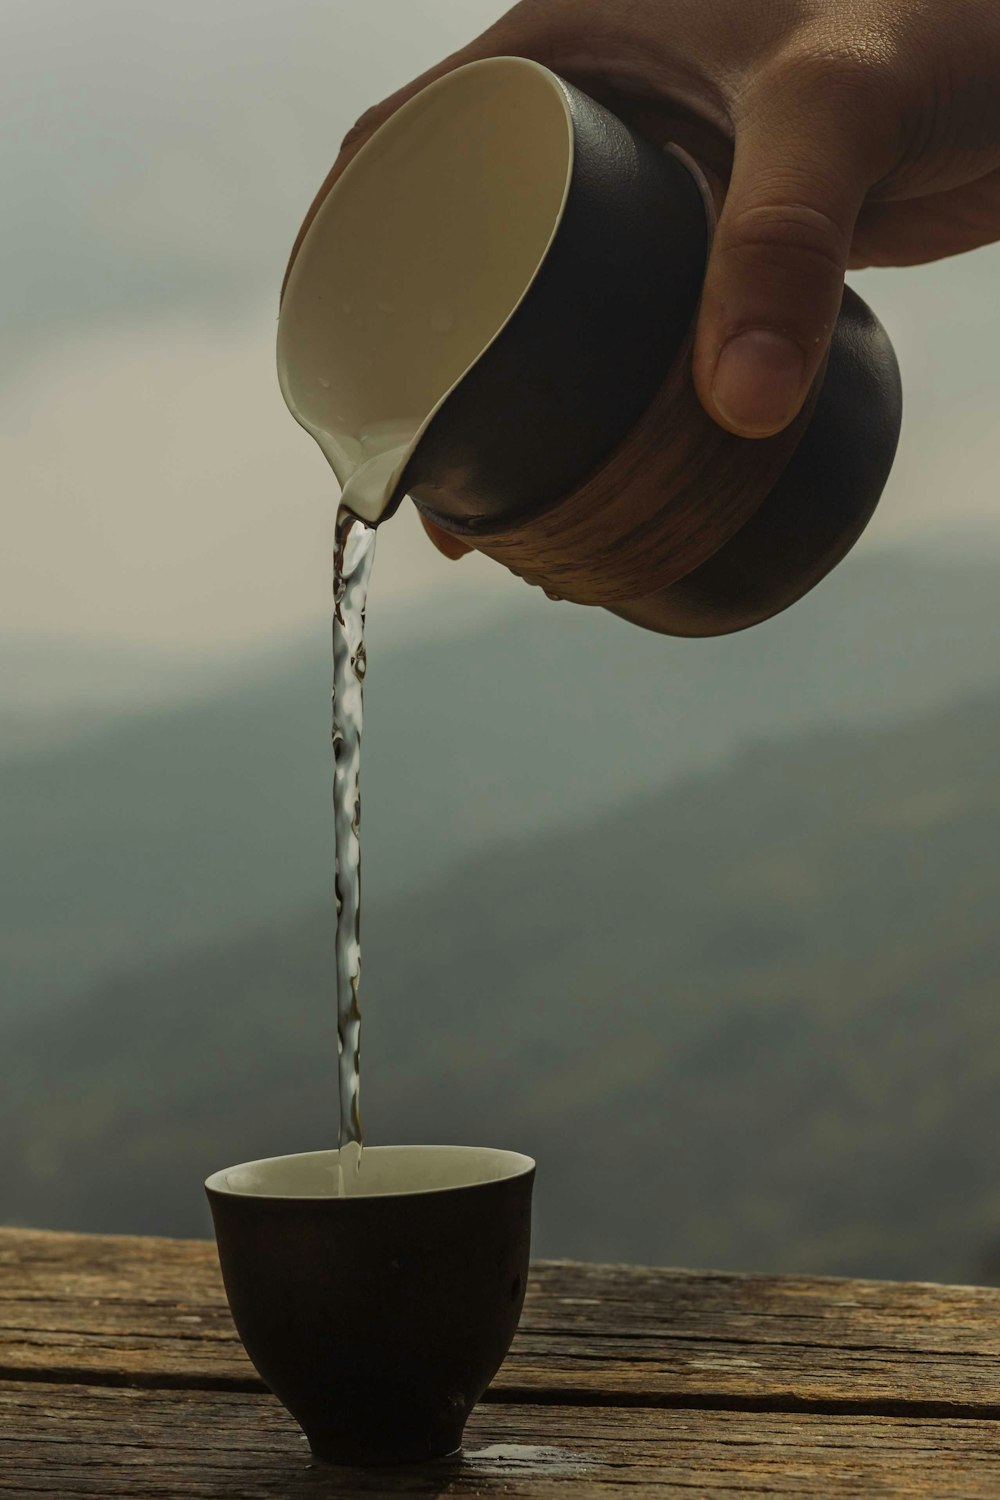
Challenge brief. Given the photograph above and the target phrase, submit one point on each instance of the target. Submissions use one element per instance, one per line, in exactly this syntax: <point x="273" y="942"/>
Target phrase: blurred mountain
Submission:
<point x="193" y="822"/>
<point x="57" y="692"/>
<point x="746" y="1020"/>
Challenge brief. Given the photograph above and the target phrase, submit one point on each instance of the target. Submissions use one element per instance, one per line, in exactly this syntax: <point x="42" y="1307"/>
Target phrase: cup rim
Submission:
<point x="518" y="1164"/>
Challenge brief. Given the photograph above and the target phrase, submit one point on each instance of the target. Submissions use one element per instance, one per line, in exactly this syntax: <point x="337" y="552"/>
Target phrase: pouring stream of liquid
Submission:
<point x="354" y="552"/>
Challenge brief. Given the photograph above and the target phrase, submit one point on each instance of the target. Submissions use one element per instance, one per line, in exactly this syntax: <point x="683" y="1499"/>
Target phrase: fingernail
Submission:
<point x="759" y="382"/>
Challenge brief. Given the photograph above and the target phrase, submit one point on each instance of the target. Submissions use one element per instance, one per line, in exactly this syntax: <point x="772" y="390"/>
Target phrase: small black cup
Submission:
<point x="377" y="1317"/>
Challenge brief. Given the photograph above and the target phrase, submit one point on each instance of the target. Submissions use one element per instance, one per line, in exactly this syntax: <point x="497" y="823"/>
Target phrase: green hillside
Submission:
<point x="194" y="822"/>
<point x="747" y="1020"/>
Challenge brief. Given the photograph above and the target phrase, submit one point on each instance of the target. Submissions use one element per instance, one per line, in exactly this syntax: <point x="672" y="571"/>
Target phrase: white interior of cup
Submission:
<point x="384" y="1170"/>
<point x="417" y="257"/>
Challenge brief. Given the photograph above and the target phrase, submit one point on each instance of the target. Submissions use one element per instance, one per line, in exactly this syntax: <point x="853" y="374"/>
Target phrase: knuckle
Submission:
<point x="778" y="232"/>
<point x="856" y="65"/>
<point x="842" y="99"/>
<point x="850" y="85"/>
<point x="841" y="73"/>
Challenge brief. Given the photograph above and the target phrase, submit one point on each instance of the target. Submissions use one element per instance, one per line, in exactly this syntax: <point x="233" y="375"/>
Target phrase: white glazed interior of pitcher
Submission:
<point x="416" y="259"/>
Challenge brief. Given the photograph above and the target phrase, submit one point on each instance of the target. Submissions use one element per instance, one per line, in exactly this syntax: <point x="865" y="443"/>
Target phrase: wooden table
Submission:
<point x="120" y="1374"/>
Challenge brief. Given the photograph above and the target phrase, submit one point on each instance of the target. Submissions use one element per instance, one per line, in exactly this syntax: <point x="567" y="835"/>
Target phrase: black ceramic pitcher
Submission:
<point x="492" y="311"/>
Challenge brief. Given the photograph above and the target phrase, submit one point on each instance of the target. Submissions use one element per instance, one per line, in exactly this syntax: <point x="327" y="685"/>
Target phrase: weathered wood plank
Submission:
<point x="142" y="1311"/>
<point x="65" y="1441"/>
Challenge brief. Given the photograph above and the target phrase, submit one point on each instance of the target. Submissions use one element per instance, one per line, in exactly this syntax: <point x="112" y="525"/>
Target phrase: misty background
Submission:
<point x="709" y="928"/>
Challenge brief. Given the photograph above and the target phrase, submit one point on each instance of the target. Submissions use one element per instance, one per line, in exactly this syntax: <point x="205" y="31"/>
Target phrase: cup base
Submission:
<point x="362" y="1456"/>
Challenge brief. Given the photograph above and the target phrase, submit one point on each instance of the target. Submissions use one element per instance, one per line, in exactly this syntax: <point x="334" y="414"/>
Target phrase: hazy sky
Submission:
<point x="154" y="163"/>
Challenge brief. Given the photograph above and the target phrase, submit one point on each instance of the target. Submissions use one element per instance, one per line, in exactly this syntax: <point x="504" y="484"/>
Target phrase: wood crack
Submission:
<point x="771" y="1402"/>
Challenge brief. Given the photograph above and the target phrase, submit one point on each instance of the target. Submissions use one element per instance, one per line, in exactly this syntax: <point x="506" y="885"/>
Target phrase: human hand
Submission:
<point x="851" y="132"/>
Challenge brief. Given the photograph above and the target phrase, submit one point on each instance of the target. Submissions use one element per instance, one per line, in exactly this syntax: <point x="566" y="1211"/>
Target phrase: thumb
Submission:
<point x="806" y="154"/>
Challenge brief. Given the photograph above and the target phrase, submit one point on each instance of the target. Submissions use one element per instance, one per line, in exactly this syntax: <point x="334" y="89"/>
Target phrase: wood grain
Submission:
<point x="143" y="1311"/>
<point x="65" y="1441"/>
<point x="125" y="1378"/>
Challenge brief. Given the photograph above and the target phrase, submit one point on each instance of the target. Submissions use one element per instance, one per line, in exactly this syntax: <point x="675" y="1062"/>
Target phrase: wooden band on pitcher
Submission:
<point x="675" y="490"/>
